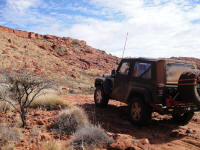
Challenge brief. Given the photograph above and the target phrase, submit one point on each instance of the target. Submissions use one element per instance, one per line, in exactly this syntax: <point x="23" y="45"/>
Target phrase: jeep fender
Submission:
<point x="106" y="84"/>
<point x="140" y="92"/>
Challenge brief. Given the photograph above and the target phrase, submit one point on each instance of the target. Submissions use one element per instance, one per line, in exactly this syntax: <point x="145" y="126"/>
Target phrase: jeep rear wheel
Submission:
<point x="140" y="113"/>
<point x="100" y="98"/>
<point x="183" y="118"/>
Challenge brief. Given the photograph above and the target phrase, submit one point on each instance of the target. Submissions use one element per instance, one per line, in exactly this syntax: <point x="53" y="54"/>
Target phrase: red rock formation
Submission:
<point x="20" y="33"/>
<point x="6" y="29"/>
<point x="31" y="35"/>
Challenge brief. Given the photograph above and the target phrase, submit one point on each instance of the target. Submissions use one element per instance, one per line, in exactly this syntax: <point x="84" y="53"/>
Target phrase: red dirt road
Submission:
<point x="163" y="133"/>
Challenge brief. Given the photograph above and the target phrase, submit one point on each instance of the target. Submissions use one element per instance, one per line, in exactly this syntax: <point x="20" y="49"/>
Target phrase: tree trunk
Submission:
<point x="23" y="117"/>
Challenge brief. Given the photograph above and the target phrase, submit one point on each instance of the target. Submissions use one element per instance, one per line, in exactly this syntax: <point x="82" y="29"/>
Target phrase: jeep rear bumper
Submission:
<point x="176" y="109"/>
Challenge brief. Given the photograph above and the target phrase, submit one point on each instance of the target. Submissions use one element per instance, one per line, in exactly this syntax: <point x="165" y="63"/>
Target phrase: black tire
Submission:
<point x="100" y="98"/>
<point x="188" y="87"/>
<point x="140" y="113"/>
<point x="182" y="119"/>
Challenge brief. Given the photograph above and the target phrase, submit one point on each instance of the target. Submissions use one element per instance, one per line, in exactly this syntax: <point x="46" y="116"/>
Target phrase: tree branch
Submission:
<point x="7" y="101"/>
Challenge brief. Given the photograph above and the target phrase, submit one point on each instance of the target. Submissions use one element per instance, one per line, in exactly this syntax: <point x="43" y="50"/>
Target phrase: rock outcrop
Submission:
<point x="52" y="56"/>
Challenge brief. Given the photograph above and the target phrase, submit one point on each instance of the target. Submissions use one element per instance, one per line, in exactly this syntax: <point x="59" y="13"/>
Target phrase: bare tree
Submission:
<point x="20" y="90"/>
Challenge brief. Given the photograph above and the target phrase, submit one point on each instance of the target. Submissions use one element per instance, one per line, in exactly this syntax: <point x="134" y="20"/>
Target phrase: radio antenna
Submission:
<point x="125" y="45"/>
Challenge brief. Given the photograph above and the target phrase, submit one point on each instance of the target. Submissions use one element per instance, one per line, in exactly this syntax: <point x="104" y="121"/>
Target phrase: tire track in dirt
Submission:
<point x="163" y="133"/>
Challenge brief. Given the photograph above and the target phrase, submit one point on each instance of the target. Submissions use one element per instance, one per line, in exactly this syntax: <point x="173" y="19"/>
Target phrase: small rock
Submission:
<point x="189" y="131"/>
<point x="195" y="120"/>
<point x="122" y="143"/>
<point x="27" y="127"/>
<point x="45" y="137"/>
<point x="19" y="145"/>
<point x="174" y="134"/>
<point x="144" y="141"/>
<point x="36" y="114"/>
<point x="22" y="141"/>
<point x="56" y="136"/>
<point x="74" y="75"/>
<point x="31" y="35"/>
<point x="40" y="122"/>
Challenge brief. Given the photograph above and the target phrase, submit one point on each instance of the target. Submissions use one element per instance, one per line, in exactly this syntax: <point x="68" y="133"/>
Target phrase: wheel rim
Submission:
<point x="136" y="111"/>
<point x="98" y="96"/>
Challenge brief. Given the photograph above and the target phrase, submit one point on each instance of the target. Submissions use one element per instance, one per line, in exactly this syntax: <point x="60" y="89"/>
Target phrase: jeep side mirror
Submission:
<point x="113" y="72"/>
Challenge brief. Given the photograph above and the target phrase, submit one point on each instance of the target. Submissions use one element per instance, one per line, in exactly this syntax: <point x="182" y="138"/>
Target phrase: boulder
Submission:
<point x="20" y="33"/>
<point x="39" y="36"/>
<point x="6" y="29"/>
<point x="31" y="35"/>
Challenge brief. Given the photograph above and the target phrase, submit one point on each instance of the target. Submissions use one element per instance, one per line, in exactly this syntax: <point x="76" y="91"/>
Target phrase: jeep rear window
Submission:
<point x="174" y="70"/>
<point x="142" y="70"/>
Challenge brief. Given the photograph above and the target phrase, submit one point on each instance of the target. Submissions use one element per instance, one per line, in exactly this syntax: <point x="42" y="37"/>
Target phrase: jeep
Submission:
<point x="165" y="86"/>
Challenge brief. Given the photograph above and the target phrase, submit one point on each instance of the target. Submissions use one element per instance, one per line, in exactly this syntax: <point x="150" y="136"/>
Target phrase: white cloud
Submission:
<point x="158" y="30"/>
<point x="20" y="6"/>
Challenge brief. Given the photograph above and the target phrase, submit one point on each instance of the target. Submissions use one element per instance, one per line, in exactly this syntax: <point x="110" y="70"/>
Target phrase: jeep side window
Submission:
<point x="142" y="70"/>
<point x="124" y="69"/>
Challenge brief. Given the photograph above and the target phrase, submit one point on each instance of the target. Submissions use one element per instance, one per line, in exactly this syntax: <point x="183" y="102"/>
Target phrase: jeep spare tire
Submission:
<point x="188" y="87"/>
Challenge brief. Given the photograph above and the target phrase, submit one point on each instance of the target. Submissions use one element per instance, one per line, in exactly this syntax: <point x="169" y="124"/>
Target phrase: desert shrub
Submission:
<point x="50" y="101"/>
<point x="35" y="131"/>
<point x="94" y="72"/>
<point x="50" y="145"/>
<point x="61" y="50"/>
<point x="71" y="119"/>
<point x="16" y="86"/>
<point x="91" y="137"/>
<point x="75" y="42"/>
<point x="16" y="120"/>
<point x="8" y="133"/>
<point x="9" y="146"/>
<point x="5" y="106"/>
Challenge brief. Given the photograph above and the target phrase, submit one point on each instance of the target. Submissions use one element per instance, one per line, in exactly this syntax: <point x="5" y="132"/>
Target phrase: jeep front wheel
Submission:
<point x="100" y="98"/>
<point x="183" y="118"/>
<point x="140" y="113"/>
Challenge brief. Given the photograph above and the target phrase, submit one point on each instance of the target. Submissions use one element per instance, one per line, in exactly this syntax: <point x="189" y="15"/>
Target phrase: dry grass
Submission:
<point x="71" y="119"/>
<point x="35" y="131"/>
<point x="50" y="101"/>
<point x="8" y="134"/>
<point x="94" y="72"/>
<point x="50" y="145"/>
<point x="91" y="137"/>
<point x="8" y="146"/>
<point x="5" y="106"/>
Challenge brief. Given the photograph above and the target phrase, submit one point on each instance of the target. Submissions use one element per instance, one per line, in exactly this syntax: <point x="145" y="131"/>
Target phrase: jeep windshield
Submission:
<point x="174" y="70"/>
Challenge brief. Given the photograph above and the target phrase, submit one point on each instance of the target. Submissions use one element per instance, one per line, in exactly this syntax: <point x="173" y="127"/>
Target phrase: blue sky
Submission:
<point x="157" y="28"/>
